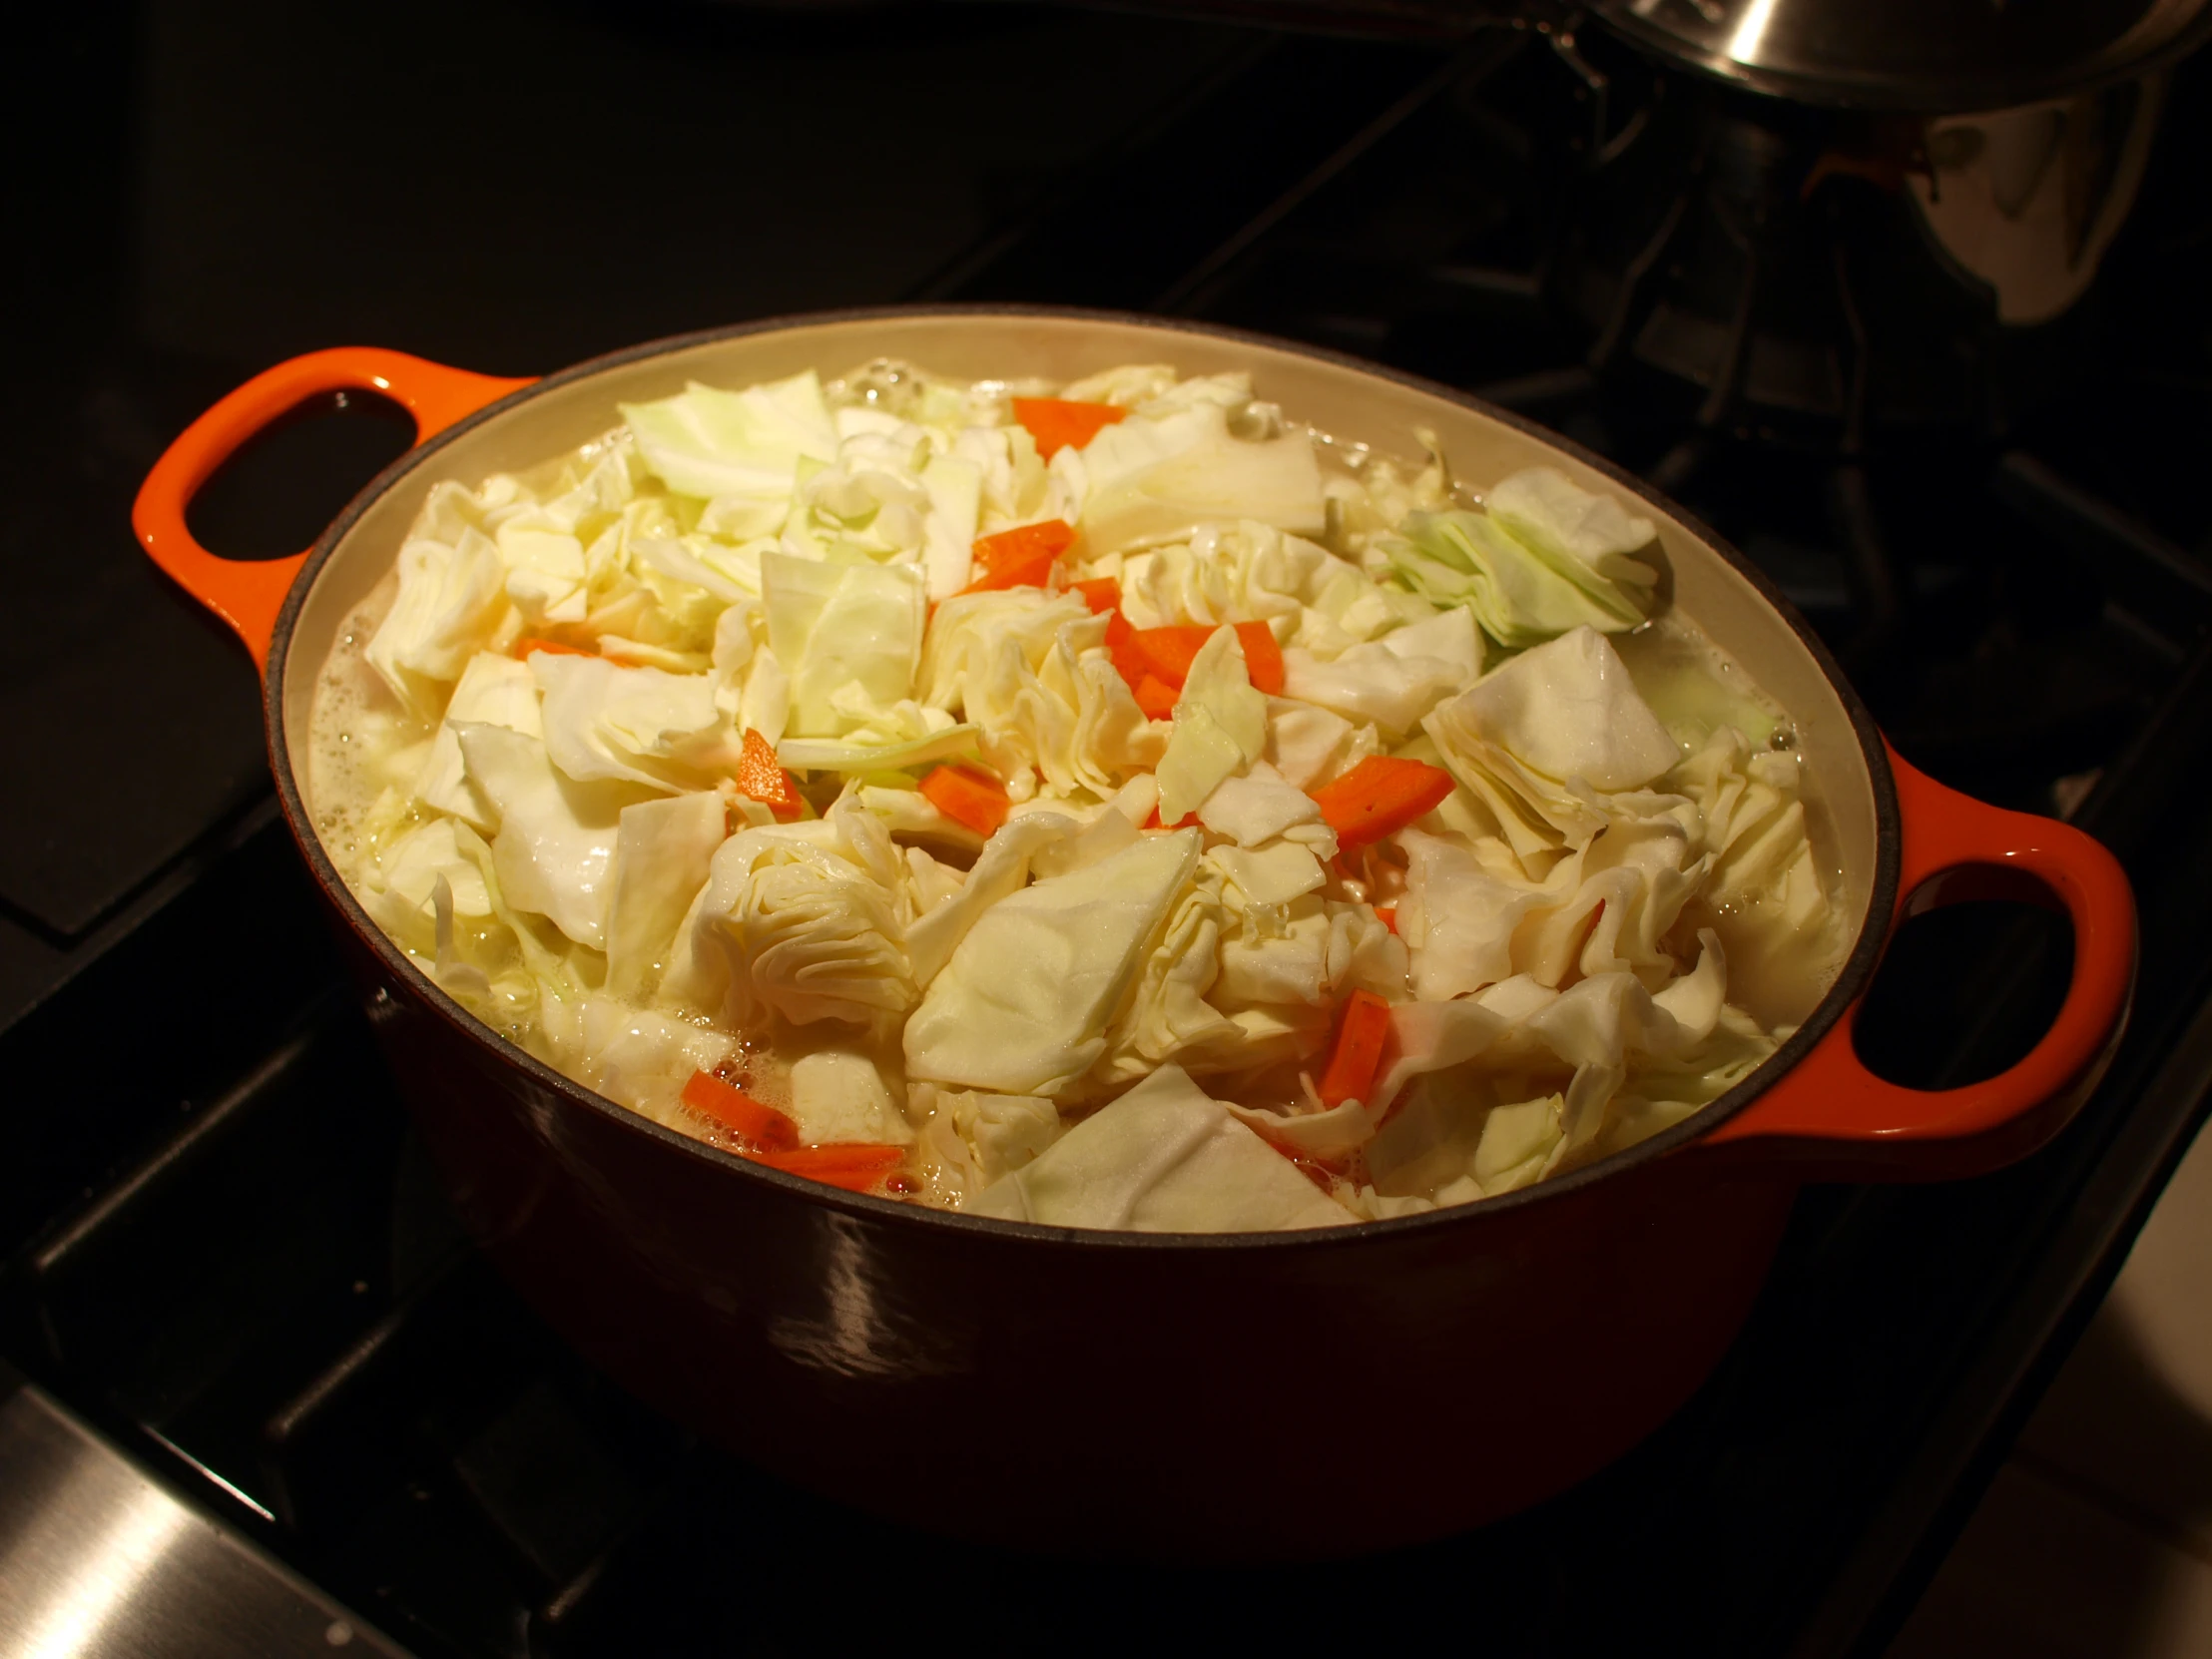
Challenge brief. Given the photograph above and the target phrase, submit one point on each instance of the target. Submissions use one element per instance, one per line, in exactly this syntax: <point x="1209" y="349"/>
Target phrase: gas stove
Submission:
<point x="257" y="1391"/>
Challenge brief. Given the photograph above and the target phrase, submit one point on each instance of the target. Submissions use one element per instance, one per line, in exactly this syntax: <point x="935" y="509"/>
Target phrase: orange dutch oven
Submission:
<point x="1209" y="1397"/>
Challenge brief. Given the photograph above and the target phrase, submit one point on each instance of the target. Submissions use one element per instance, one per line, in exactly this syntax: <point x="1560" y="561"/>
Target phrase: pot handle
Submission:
<point x="248" y="594"/>
<point x="1830" y="1118"/>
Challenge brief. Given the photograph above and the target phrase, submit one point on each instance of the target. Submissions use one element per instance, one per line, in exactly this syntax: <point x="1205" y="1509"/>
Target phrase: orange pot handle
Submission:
<point x="1835" y="1119"/>
<point x="248" y="594"/>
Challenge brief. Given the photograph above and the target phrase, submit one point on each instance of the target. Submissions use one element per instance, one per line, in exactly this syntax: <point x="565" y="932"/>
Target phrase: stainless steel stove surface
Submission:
<point x="258" y="1394"/>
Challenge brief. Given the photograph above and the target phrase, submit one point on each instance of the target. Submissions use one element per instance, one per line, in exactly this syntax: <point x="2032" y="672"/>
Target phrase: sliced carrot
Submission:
<point x="1057" y="424"/>
<point x="1048" y="538"/>
<point x="733" y="1108"/>
<point x="1120" y="638"/>
<point x="1381" y="796"/>
<point x="1388" y="913"/>
<point x="1156" y="697"/>
<point x="762" y="778"/>
<point x="1155" y="823"/>
<point x="1358" y="1051"/>
<point x="1169" y="651"/>
<point x="857" y="1167"/>
<point x="1263" y="657"/>
<point x="1032" y="572"/>
<point x="530" y="642"/>
<point x="968" y="796"/>
<point x="1100" y="594"/>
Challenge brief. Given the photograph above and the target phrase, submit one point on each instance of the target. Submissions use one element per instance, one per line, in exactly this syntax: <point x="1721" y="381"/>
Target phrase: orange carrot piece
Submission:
<point x="1380" y="796"/>
<point x="1153" y="821"/>
<point x="1024" y="543"/>
<point x="733" y="1108"/>
<point x="857" y="1167"/>
<point x="1057" y="424"/>
<point x="1101" y="592"/>
<point x="1156" y="697"/>
<point x="530" y="642"/>
<point x="1263" y="657"/>
<point x="1169" y="651"/>
<point x="1120" y="643"/>
<point x="1388" y="915"/>
<point x="1032" y="572"/>
<point x="968" y="796"/>
<point x="1359" y="1052"/>
<point x="762" y="778"/>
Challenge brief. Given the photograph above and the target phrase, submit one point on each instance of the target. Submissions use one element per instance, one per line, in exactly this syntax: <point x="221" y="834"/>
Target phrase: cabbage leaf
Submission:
<point x="1547" y="556"/>
<point x="1024" y="1004"/>
<point x="556" y="842"/>
<point x="1164" y="1158"/>
<point x="835" y="626"/>
<point x="662" y="851"/>
<point x="636" y="725"/>
<point x="493" y="688"/>
<point x="451" y="601"/>
<point x="1151" y="480"/>
<point x="743" y="446"/>
<point x="1569" y="710"/>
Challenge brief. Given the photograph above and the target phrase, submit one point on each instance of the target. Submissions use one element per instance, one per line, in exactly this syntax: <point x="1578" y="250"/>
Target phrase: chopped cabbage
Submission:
<point x="1245" y="572"/>
<point x="1305" y="741"/>
<point x="1168" y="1018"/>
<point x="955" y="487"/>
<point x="450" y="603"/>
<point x="1544" y="508"/>
<point x="831" y="754"/>
<point x="838" y="625"/>
<point x="1371" y="684"/>
<point x="1003" y="1132"/>
<point x="801" y="922"/>
<point x="1255" y="809"/>
<point x="735" y="445"/>
<point x="1024" y="1004"/>
<point x="1547" y="557"/>
<point x="1612" y="918"/>
<point x="837" y="1094"/>
<point x="639" y="725"/>
<point x="1150" y="480"/>
<point x="1164" y="1158"/>
<point x="497" y="691"/>
<point x="545" y="568"/>
<point x="556" y="837"/>
<point x="642" y="1058"/>
<point x="1029" y="672"/>
<point x="1569" y="710"/>
<point x="662" y="851"/>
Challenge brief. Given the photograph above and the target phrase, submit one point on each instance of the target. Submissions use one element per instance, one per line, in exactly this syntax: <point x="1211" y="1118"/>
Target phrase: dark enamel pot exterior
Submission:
<point x="1208" y="1396"/>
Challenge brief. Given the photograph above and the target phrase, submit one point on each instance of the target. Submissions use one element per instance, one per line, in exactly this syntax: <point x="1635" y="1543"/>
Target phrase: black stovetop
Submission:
<point x="223" y="1248"/>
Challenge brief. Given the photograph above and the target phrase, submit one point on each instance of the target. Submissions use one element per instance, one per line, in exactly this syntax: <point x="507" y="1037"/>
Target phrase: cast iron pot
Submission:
<point x="1175" y="1395"/>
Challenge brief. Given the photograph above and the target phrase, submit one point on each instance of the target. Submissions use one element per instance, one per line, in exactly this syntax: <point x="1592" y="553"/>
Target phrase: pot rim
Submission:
<point x="1851" y="980"/>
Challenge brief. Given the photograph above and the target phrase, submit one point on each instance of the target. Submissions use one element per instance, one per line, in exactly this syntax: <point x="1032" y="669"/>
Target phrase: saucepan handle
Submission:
<point x="248" y="594"/>
<point x="1832" y="1118"/>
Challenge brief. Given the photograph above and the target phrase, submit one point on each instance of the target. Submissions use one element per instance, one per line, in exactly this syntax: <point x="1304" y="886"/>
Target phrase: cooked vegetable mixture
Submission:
<point x="1108" y="805"/>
